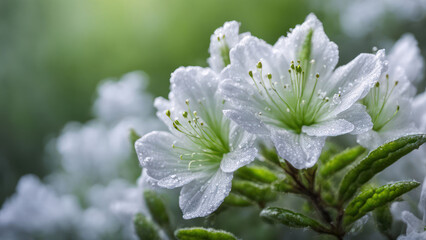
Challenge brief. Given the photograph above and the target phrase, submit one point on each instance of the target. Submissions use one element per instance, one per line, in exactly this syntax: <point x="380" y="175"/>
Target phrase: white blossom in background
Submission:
<point x="36" y="210"/>
<point x="118" y="100"/>
<point x="361" y="17"/>
<point x="100" y="150"/>
<point x="389" y="102"/>
<point x="222" y="40"/>
<point x="416" y="228"/>
<point x="202" y="149"/>
<point x="291" y="94"/>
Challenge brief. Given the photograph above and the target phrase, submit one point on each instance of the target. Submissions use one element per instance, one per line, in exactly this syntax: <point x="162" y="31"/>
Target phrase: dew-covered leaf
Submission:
<point x="237" y="200"/>
<point x="341" y="160"/>
<point x="254" y="191"/>
<point x="377" y="161"/>
<point x="371" y="199"/>
<point x="383" y="218"/>
<point x="144" y="228"/>
<point x="289" y="218"/>
<point x="203" y="234"/>
<point x="156" y="207"/>
<point x="256" y="173"/>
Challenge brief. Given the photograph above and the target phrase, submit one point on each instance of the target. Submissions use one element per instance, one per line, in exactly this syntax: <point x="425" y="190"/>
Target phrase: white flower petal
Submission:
<point x="247" y="121"/>
<point x="358" y="116"/>
<point x="413" y="223"/>
<point x="406" y="54"/>
<point x="231" y="32"/>
<point x="156" y="154"/>
<point x="238" y="158"/>
<point x="202" y="197"/>
<point x="324" y="52"/>
<point x="329" y="128"/>
<point x="162" y="106"/>
<point x="301" y="150"/>
<point x="422" y="202"/>
<point x="199" y="86"/>
<point x="355" y="78"/>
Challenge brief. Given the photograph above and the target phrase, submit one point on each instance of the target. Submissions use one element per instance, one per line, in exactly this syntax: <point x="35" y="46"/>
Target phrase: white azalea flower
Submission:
<point x="291" y="94"/>
<point x="118" y="100"/>
<point x="36" y="210"/>
<point x="202" y="149"/>
<point x="416" y="228"/>
<point x="390" y="101"/>
<point x="221" y="42"/>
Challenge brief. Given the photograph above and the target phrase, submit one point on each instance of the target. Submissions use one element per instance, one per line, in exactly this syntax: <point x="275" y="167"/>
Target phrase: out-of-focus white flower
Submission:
<point x="291" y="93"/>
<point x="416" y="228"/>
<point x="221" y="42"/>
<point x="36" y="210"/>
<point x="202" y="149"/>
<point x="361" y="17"/>
<point x="390" y="101"/>
<point x="118" y="100"/>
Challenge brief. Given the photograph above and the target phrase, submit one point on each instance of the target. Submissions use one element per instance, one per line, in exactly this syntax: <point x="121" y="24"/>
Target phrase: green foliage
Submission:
<point x="289" y="218"/>
<point x="134" y="136"/>
<point x="203" y="234"/>
<point x="145" y="229"/>
<point x="341" y="160"/>
<point x="283" y="186"/>
<point x="383" y="218"/>
<point x="329" y="150"/>
<point x="377" y="161"/>
<point x="257" y="192"/>
<point x="237" y="200"/>
<point x="371" y="199"/>
<point x="256" y="173"/>
<point x="156" y="208"/>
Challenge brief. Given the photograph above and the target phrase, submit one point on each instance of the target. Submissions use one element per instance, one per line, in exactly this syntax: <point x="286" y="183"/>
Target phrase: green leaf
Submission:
<point x="289" y="218"/>
<point x="256" y="173"/>
<point x="134" y="136"/>
<point x="341" y="160"/>
<point x="256" y="192"/>
<point x="284" y="186"/>
<point x="329" y="150"/>
<point x="237" y="200"/>
<point x="371" y="199"/>
<point x="269" y="154"/>
<point x="383" y="218"/>
<point x="145" y="229"/>
<point x="203" y="234"/>
<point x="156" y="208"/>
<point x="376" y="162"/>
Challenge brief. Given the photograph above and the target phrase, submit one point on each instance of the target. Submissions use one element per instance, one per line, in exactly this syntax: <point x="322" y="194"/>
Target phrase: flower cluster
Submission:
<point x="289" y="94"/>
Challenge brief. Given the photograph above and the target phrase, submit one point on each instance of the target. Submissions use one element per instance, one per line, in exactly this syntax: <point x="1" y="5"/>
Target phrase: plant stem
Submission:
<point x="335" y="227"/>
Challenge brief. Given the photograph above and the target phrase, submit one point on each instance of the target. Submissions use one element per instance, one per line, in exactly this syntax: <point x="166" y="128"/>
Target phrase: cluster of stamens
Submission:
<point x="209" y="148"/>
<point x="294" y="101"/>
<point x="376" y="104"/>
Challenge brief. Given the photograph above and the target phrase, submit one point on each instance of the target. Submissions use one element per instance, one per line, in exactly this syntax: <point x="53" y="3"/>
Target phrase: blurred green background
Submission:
<point x="53" y="53"/>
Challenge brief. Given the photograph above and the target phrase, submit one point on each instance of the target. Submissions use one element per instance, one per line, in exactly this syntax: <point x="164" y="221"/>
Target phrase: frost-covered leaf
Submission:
<point x="377" y="161"/>
<point x="383" y="218"/>
<point x="341" y="160"/>
<point x="203" y="234"/>
<point x="289" y="218"/>
<point x="156" y="207"/>
<point x="256" y="173"/>
<point x="145" y="229"/>
<point x="371" y="199"/>
<point x="254" y="191"/>
<point x="237" y="200"/>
